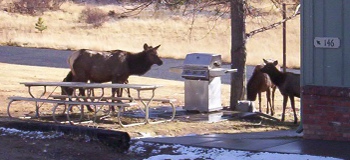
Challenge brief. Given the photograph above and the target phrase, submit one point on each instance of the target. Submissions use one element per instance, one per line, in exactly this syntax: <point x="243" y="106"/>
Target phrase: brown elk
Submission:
<point x="260" y="82"/>
<point x="288" y="83"/>
<point x="110" y="66"/>
<point x="69" y="91"/>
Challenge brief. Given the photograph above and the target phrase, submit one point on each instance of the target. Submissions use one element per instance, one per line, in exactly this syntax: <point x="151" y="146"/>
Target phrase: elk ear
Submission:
<point x="145" y="46"/>
<point x="265" y="61"/>
<point x="275" y="62"/>
<point x="155" y="48"/>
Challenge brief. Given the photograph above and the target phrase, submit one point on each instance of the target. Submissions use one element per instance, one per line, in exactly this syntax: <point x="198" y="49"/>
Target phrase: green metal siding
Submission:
<point x="325" y="66"/>
<point x="346" y="44"/>
<point x="307" y="61"/>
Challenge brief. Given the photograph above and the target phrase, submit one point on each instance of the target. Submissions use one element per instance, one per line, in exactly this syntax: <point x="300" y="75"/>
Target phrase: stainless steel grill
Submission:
<point x="201" y="66"/>
<point x="202" y="73"/>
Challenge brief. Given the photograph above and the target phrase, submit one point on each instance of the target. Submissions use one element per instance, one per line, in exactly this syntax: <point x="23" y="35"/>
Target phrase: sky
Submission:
<point x="176" y="151"/>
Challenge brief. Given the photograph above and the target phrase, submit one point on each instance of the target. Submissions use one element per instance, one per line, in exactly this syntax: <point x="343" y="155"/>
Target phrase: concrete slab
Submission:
<point x="181" y="114"/>
<point x="246" y="144"/>
<point x="186" y="140"/>
<point x="257" y="135"/>
<point x="288" y="142"/>
<point x="337" y="149"/>
<point x="247" y="141"/>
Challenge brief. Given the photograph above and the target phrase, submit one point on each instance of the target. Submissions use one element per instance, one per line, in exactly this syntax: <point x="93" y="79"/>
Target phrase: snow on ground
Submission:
<point x="30" y="134"/>
<point x="179" y="152"/>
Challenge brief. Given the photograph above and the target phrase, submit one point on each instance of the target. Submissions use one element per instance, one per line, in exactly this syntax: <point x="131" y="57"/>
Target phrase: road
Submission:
<point x="58" y="59"/>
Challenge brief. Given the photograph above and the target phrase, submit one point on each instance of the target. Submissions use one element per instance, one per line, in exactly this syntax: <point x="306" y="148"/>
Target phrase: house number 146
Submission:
<point x="326" y="42"/>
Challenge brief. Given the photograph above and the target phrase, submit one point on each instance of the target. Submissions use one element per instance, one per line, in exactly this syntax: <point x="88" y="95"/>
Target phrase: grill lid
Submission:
<point x="198" y="65"/>
<point x="202" y="61"/>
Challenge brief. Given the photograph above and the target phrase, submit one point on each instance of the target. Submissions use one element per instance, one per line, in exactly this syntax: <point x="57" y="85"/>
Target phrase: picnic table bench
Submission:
<point x="68" y="101"/>
<point x="115" y="101"/>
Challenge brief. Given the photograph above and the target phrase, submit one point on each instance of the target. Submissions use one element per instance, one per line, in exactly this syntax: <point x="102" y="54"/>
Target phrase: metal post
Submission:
<point x="284" y="36"/>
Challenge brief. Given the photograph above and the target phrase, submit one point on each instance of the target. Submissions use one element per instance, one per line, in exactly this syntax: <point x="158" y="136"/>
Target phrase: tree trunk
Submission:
<point x="238" y="52"/>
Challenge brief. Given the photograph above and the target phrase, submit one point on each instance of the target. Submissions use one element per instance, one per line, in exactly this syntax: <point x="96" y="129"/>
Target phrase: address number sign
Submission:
<point x="326" y="42"/>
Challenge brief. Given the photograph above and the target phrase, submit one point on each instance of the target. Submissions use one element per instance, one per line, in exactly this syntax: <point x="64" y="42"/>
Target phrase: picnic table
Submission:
<point x="97" y="100"/>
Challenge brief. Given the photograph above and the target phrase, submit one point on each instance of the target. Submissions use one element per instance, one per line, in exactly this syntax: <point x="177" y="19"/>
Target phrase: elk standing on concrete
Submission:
<point x="288" y="83"/>
<point x="260" y="82"/>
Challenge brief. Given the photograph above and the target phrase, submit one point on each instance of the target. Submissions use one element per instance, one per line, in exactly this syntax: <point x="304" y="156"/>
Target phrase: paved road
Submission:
<point x="57" y="58"/>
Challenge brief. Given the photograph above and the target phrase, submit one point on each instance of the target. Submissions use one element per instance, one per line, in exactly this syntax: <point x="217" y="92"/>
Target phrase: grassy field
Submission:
<point x="12" y="74"/>
<point x="66" y="31"/>
<point x="177" y="35"/>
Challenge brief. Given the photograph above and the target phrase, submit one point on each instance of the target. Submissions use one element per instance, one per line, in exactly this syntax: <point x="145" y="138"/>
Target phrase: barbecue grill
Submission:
<point x="202" y="73"/>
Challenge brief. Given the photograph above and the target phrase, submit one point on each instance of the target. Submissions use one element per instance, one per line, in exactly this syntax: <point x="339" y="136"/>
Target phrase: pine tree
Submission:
<point x="40" y="25"/>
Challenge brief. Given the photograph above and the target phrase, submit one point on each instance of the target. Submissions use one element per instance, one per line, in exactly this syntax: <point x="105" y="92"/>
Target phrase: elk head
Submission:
<point x="152" y="54"/>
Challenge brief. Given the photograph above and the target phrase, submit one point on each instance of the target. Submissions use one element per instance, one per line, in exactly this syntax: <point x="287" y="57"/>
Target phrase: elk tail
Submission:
<point x="71" y="59"/>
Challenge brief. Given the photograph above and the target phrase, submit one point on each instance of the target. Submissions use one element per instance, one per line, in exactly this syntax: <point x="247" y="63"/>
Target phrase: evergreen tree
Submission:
<point x="40" y="25"/>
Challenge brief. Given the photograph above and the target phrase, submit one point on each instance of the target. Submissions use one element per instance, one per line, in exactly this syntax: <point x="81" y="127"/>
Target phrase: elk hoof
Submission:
<point x="90" y="109"/>
<point x="112" y="109"/>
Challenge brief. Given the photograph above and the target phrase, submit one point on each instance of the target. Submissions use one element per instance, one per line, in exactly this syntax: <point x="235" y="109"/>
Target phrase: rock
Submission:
<point x="245" y="106"/>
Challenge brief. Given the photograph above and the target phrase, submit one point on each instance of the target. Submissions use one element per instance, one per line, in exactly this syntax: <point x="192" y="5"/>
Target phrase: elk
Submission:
<point x="69" y="91"/>
<point x="110" y="66"/>
<point x="288" y="83"/>
<point x="260" y="82"/>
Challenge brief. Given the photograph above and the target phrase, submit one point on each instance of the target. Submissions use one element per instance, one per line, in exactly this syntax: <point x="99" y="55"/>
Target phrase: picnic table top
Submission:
<point x="91" y="85"/>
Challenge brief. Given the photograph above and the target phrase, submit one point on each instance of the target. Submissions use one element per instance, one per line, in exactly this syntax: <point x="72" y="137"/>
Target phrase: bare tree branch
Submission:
<point x="274" y="25"/>
<point x="192" y="8"/>
<point x="136" y="10"/>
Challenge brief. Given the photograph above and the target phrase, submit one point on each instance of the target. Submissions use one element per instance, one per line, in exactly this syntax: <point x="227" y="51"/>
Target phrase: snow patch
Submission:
<point x="30" y="134"/>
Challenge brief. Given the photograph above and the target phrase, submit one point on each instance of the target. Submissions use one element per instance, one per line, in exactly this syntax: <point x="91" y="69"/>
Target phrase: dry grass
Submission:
<point x="66" y="31"/>
<point x="11" y="75"/>
<point x="269" y="44"/>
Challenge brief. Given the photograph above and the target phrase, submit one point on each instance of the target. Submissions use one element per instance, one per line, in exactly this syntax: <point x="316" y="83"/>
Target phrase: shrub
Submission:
<point x="94" y="16"/>
<point x="34" y="7"/>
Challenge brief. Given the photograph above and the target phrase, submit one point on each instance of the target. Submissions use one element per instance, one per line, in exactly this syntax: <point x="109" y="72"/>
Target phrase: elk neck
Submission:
<point x="138" y="63"/>
<point x="252" y="87"/>
<point x="277" y="77"/>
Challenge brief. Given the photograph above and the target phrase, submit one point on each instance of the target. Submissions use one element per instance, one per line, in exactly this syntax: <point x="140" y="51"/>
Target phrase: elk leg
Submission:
<point x="129" y="95"/>
<point x="259" y="95"/>
<point x="273" y="101"/>
<point x="293" y="107"/>
<point x="268" y="101"/>
<point x="128" y="90"/>
<point x="114" y="90"/>
<point x="285" y="100"/>
<point x="82" y="93"/>
<point x="82" y="78"/>
<point x="119" y="92"/>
